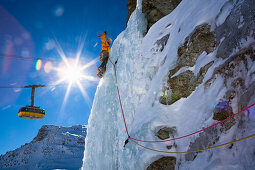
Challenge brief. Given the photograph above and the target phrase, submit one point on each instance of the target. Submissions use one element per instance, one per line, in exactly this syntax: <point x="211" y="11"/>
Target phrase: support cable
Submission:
<point x="9" y="56"/>
<point x="28" y="86"/>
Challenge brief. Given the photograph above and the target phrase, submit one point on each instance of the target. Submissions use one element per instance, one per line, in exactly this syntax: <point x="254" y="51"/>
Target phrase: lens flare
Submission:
<point x="38" y="65"/>
<point x="59" y="11"/>
<point x="47" y="67"/>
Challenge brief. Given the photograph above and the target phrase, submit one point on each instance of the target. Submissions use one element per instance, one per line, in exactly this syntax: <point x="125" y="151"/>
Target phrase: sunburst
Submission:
<point x="71" y="71"/>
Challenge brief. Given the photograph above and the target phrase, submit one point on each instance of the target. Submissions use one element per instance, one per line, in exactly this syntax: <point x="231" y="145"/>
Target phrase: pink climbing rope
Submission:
<point x="155" y="141"/>
<point x="114" y="65"/>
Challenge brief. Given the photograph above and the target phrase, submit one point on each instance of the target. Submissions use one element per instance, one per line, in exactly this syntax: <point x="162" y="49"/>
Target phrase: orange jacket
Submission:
<point x="105" y="44"/>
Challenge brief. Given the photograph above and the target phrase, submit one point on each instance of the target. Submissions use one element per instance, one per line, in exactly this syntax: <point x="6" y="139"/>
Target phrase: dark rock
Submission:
<point x="185" y="83"/>
<point x="234" y="72"/>
<point x="205" y="139"/>
<point x="231" y="146"/>
<point x="235" y="29"/>
<point x="202" y="73"/>
<point x="180" y="85"/>
<point x="81" y="141"/>
<point x="221" y="112"/>
<point x="169" y="147"/>
<point x="166" y="132"/>
<point x="238" y="82"/>
<point x="246" y="96"/>
<point x="221" y="115"/>
<point x="164" y="163"/>
<point x="201" y="40"/>
<point x="222" y="107"/>
<point x="162" y="42"/>
<point x="225" y="126"/>
<point x="43" y="132"/>
<point x="233" y="66"/>
<point x="156" y="9"/>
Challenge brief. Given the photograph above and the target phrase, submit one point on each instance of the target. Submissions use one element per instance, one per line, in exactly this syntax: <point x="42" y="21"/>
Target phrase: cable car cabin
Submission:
<point x="30" y="112"/>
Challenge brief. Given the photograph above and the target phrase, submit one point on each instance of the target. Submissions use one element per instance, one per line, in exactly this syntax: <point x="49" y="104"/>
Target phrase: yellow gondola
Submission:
<point x="29" y="112"/>
<point x="32" y="112"/>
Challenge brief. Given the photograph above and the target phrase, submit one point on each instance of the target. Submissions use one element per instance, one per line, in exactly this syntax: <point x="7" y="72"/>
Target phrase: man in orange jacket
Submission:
<point x="104" y="55"/>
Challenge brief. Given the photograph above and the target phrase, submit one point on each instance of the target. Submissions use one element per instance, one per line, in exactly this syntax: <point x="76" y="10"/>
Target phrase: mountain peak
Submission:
<point x="53" y="147"/>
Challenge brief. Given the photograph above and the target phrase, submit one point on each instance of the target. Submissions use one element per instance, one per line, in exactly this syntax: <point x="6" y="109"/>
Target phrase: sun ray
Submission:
<point x="89" y="64"/>
<point x="61" y="53"/>
<point x="59" y="81"/>
<point x="79" y="53"/>
<point x="88" y="77"/>
<point x="66" y="95"/>
<point x="84" y="94"/>
<point x="58" y="69"/>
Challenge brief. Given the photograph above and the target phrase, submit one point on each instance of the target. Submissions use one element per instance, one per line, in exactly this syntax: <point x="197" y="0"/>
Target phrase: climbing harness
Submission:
<point x="135" y="140"/>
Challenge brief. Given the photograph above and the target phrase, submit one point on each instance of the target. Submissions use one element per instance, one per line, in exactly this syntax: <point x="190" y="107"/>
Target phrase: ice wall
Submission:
<point x="143" y="72"/>
<point x="106" y="131"/>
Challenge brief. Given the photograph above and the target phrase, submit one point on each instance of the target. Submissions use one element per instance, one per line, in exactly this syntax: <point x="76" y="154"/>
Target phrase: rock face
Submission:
<point x="166" y="132"/>
<point x="165" y="163"/>
<point x="237" y="26"/>
<point x="201" y="40"/>
<point x="227" y="38"/>
<point x="182" y="85"/>
<point x="161" y="43"/>
<point x="235" y="71"/>
<point x="175" y="76"/>
<point x="54" y="147"/>
<point x="205" y="139"/>
<point x="222" y="111"/>
<point x="156" y="9"/>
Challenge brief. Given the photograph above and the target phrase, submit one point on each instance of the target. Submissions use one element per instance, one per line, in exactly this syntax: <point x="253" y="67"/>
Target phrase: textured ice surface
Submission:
<point x="142" y="70"/>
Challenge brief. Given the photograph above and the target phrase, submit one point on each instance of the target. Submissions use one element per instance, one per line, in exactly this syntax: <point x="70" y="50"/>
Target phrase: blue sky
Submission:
<point x="30" y="28"/>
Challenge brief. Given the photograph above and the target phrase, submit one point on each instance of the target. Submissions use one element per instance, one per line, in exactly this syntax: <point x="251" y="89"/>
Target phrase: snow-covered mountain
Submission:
<point x="193" y="68"/>
<point x="55" y="147"/>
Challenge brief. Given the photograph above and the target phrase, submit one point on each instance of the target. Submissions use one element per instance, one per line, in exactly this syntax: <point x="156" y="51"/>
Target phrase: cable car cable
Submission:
<point x="28" y="86"/>
<point x="25" y="58"/>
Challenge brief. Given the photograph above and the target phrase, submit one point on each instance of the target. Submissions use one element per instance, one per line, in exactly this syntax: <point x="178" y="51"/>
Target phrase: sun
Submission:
<point x="72" y="72"/>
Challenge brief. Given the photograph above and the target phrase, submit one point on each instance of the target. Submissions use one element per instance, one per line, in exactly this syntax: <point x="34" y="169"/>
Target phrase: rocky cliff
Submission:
<point x="54" y="147"/>
<point x="154" y="9"/>
<point x="191" y="69"/>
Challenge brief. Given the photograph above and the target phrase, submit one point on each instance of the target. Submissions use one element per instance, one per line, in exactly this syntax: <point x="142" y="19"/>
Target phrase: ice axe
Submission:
<point x="104" y="32"/>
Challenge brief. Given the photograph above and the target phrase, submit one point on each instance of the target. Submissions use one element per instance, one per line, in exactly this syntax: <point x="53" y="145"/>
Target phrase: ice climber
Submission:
<point x="104" y="54"/>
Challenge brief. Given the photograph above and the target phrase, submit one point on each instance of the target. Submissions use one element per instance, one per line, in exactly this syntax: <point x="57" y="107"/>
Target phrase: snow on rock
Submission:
<point x="54" y="147"/>
<point x="171" y="82"/>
